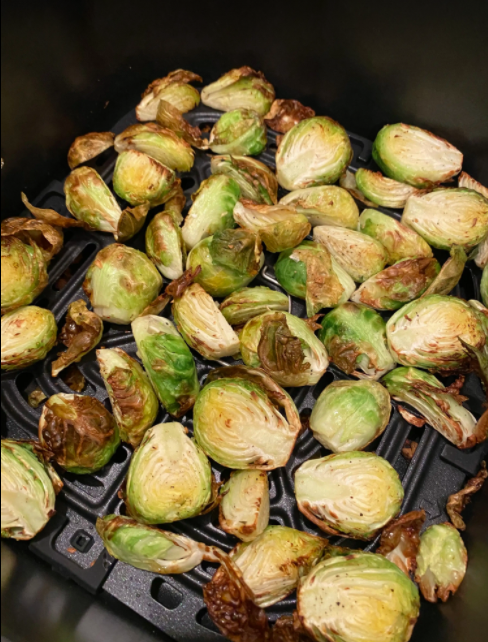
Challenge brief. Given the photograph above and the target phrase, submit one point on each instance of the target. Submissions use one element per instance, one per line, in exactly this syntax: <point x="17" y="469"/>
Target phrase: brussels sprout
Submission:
<point x="348" y="182"/>
<point x="140" y="179"/>
<point x="120" y="283"/>
<point x="314" y="152"/>
<point x="484" y="286"/>
<point x="285" y="114"/>
<point x="358" y="254"/>
<point x="174" y="89"/>
<point x="256" y="180"/>
<point x="169" y="477"/>
<point x="164" y="241"/>
<point x="480" y="254"/>
<point x="450" y="273"/>
<point x="24" y="273"/>
<point x="237" y="421"/>
<point x="383" y="191"/>
<point x="79" y="431"/>
<point x="247" y="303"/>
<point x="212" y="209"/>
<point x="325" y="205"/>
<point x="349" y="415"/>
<point x="355" y="339"/>
<point x="240" y="131"/>
<point x="458" y="501"/>
<point x="244" y="509"/>
<point x="169" y="117"/>
<point x="447" y="217"/>
<point x="134" y="404"/>
<point x="415" y="156"/>
<point x="361" y="597"/>
<point x="399" y="240"/>
<point x="309" y="272"/>
<point x="168" y="362"/>
<point x="159" y="143"/>
<point x="203" y="325"/>
<point x="81" y="333"/>
<point x="441" y="562"/>
<point x="32" y="232"/>
<point x="241" y="88"/>
<point x="279" y="226"/>
<point x="285" y="347"/>
<point x="89" y="146"/>
<point x="431" y="332"/>
<point x="441" y="407"/>
<point x="400" y="540"/>
<point x="465" y="180"/>
<point x="28" y="333"/>
<point x="29" y="488"/>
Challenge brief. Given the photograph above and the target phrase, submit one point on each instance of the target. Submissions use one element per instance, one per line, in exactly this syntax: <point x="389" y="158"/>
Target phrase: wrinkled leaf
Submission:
<point x="89" y="146"/>
<point x="400" y="540"/>
<point x="35" y="398"/>
<point x="169" y="117"/>
<point x="285" y="114"/>
<point x="51" y="217"/>
<point x="33" y="232"/>
<point x="450" y="273"/>
<point x="458" y="501"/>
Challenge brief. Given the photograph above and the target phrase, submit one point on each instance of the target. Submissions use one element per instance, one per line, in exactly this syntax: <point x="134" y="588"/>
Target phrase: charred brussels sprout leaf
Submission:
<point x="32" y="232"/>
<point x="28" y="333"/>
<point x="24" y="273"/>
<point x="400" y="540"/>
<point x="169" y="117"/>
<point x="325" y="205"/>
<point x="256" y="180"/>
<point x="244" y="508"/>
<point x="458" y="501"/>
<point x="466" y="181"/>
<point x="51" y="217"/>
<point x="285" y="114"/>
<point x="247" y="303"/>
<point x="240" y="131"/>
<point x="140" y="179"/>
<point x="450" y="273"/>
<point x="288" y="629"/>
<point x="174" y="89"/>
<point x="241" y="88"/>
<point x="89" y="146"/>
<point x="381" y="190"/>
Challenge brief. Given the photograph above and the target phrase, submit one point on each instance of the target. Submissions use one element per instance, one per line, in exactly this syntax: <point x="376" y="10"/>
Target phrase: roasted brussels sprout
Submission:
<point x="447" y="217"/>
<point x="309" y="272"/>
<point x="348" y="182"/>
<point x="355" y="339"/>
<point x="466" y="181"/>
<point x="352" y="493"/>
<point x="28" y="333"/>
<point x="285" y="114"/>
<point x="241" y="88"/>
<point x="381" y="190"/>
<point x="134" y="403"/>
<point x="280" y="227"/>
<point x="240" y="131"/>
<point x="361" y="597"/>
<point x="247" y="303"/>
<point x="358" y="254"/>
<point x="89" y="146"/>
<point x="32" y="232"/>
<point x="79" y="431"/>
<point x="325" y="205"/>
<point x="24" y="273"/>
<point x="169" y="477"/>
<point x="140" y="179"/>
<point x="484" y="286"/>
<point x="165" y="246"/>
<point x="212" y="209"/>
<point x="316" y="151"/>
<point x="120" y="283"/>
<point x="441" y="562"/>
<point x="29" y="488"/>
<point x="349" y="415"/>
<point x="442" y="407"/>
<point x="237" y="421"/>
<point x="399" y="240"/>
<point x="450" y="273"/>
<point x="256" y="180"/>
<point x="174" y="89"/>
<point x="285" y="347"/>
<point x="244" y="508"/>
<point x="400" y="540"/>
<point x="431" y="332"/>
<point x="415" y="156"/>
<point x="169" y="117"/>
<point x="203" y="325"/>
<point x="168" y="362"/>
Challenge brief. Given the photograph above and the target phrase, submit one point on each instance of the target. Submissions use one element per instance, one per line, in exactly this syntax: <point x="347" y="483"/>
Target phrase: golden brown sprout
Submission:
<point x="285" y="114"/>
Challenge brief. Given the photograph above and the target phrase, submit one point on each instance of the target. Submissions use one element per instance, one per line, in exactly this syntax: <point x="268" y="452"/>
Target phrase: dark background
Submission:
<point x="73" y="67"/>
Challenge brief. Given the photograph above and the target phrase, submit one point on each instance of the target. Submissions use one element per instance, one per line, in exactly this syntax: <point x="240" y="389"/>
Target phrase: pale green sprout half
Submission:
<point x="28" y="334"/>
<point x="165" y="246"/>
<point x="382" y="190"/>
<point x="240" y="131"/>
<point x="244" y="508"/>
<point x="353" y="493"/>
<point x="247" y="303"/>
<point x="174" y="89"/>
<point x="24" y="273"/>
<point x="450" y="273"/>
<point x="325" y="205"/>
<point x="484" y="286"/>
<point x="241" y="88"/>
<point x="140" y="179"/>
<point x="349" y="415"/>
<point x="256" y="180"/>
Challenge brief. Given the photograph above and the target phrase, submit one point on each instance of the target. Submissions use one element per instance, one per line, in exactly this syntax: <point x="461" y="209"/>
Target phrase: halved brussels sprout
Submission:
<point x="237" y="421"/>
<point x="415" y="156"/>
<point x="285" y="347"/>
<point x="400" y="540"/>
<point x="383" y="191"/>
<point x="256" y="180"/>
<point x="165" y="246"/>
<point x="285" y="114"/>
<point x="212" y="209"/>
<point x="447" y="217"/>
<point x="316" y="151"/>
<point x="355" y="339"/>
<point x="467" y="181"/>
<point x="484" y="286"/>
<point x="134" y="404"/>
<point x="441" y="562"/>
<point x="240" y="131"/>
<point x="159" y="143"/>
<point x="450" y="273"/>
<point x="431" y="332"/>
<point x="353" y="493"/>
<point x="348" y="182"/>
<point x="169" y="478"/>
<point x="79" y="431"/>
<point x="358" y="254"/>
<point x="29" y="488"/>
<point x="33" y="232"/>
<point x="120" y="283"/>
<point x="279" y="226"/>
<point x="325" y="205"/>
<point x="169" y="117"/>
<point x="244" y="508"/>
<point x="309" y="272"/>
<point x="361" y="597"/>
<point x="441" y="407"/>
<point x="140" y="179"/>
<point x="399" y="240"/>
<point x="203" y="325"/>
<point x="174" y="89"/>
<point x="24" y="273"/>
<point x="28" y="333"/>
<point x="89" y="146"/>
<point x="168" y="362"/>
<point x="349" y="415"/>
<point x="247" y="303"/>
<point x="241" y="88"/>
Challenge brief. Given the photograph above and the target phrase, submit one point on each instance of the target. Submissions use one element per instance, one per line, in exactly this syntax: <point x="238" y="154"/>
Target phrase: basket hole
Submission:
<point x="82" y="541"/>
<point x="108" y="405"/>
<point x="26" y="383"/>
<point x="326" y="380"/>
<point x="84" y="480"/>
<point x="276" y="521"/>
<point x="74" y="266"/>
<point x="209" y="568"/>
<point x="165" y="594"/>
<point x="120" y="456"/>
<point x="204" y="619"/>
<point x="188" y="182"/>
